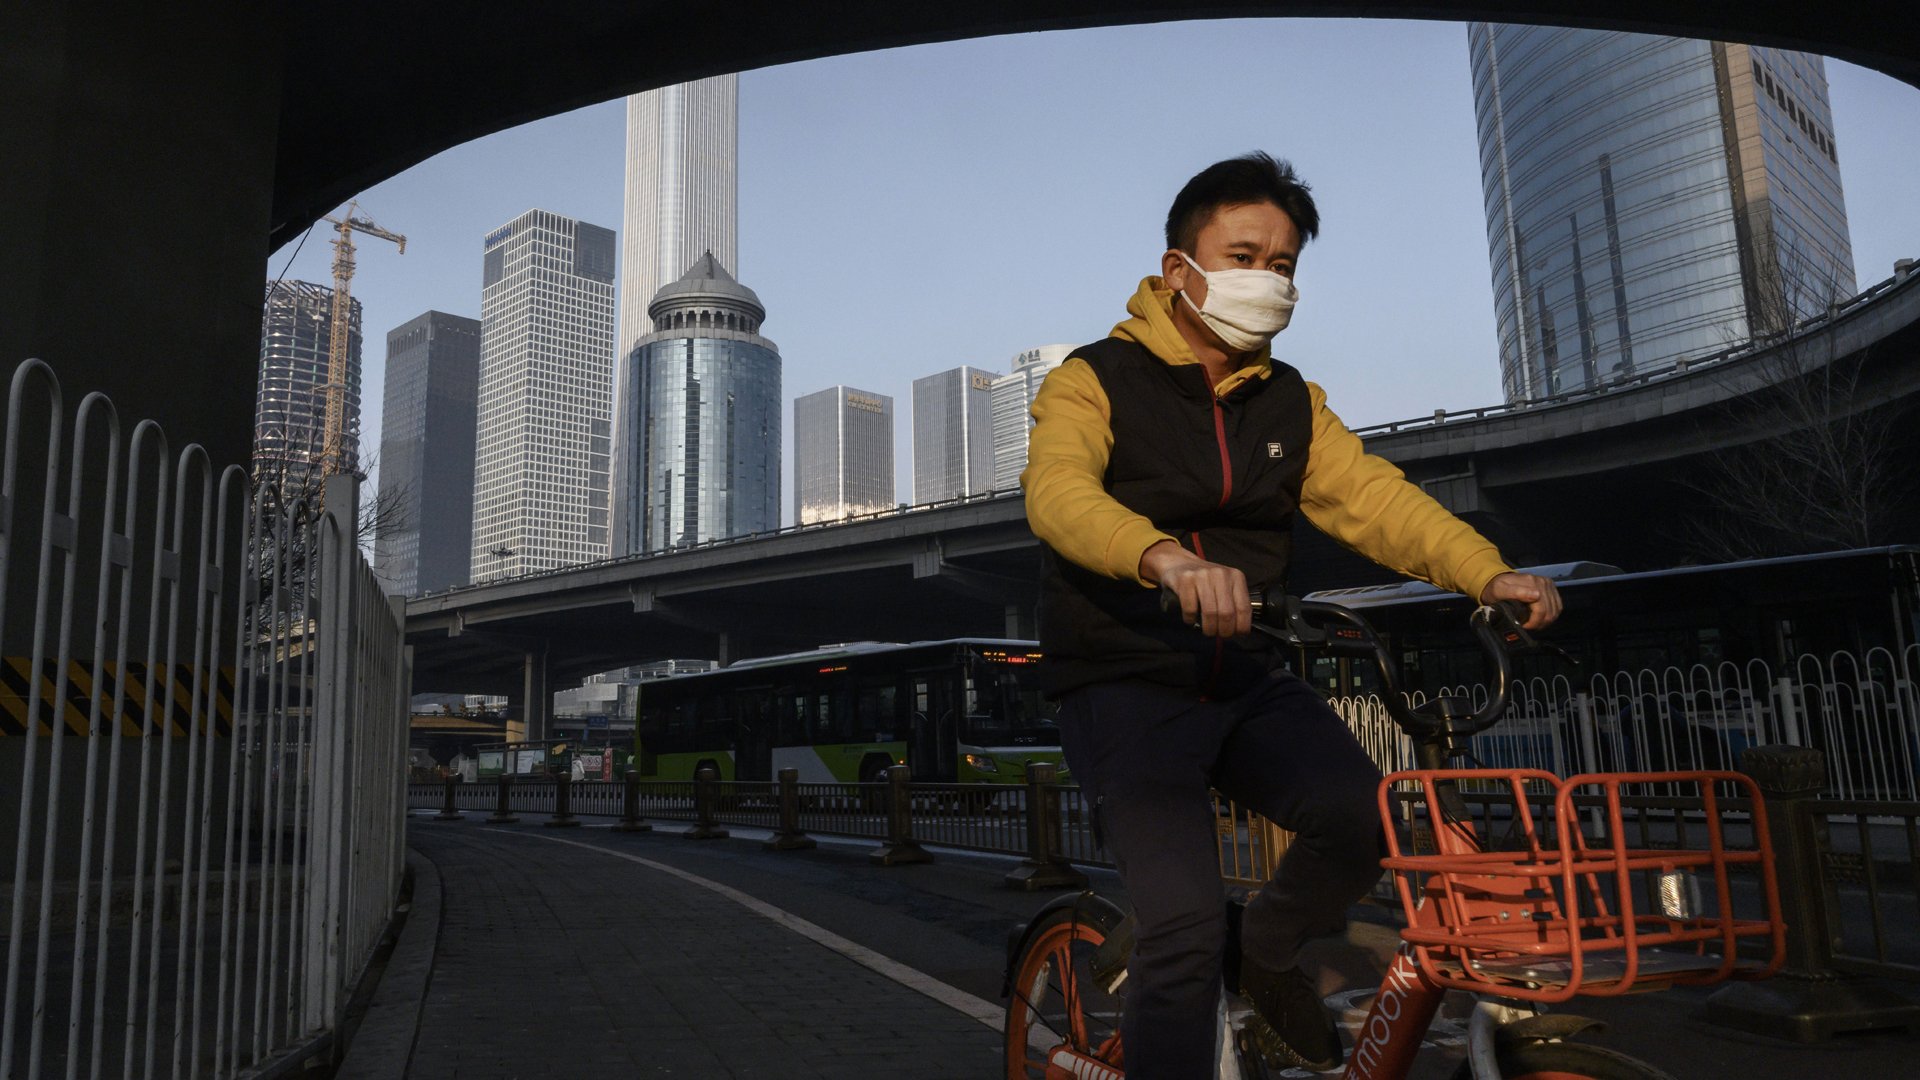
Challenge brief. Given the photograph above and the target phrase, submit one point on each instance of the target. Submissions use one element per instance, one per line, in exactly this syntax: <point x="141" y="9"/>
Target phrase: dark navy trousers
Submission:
<point x="1147" y="756"/>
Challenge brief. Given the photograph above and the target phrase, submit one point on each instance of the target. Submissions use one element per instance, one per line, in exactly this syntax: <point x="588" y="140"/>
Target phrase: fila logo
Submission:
<point x="1273" y="450"/>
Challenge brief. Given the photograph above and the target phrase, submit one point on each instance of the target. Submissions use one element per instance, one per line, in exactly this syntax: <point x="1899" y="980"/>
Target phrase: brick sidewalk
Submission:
<point x="558" y="962"/>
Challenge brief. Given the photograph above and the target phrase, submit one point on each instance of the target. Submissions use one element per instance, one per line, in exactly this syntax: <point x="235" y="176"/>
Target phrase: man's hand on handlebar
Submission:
<point x="1212" y="597"/>
<point x="1542" y="600"/>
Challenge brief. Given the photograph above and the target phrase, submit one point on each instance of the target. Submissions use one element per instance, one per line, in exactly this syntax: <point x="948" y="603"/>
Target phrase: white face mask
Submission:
<point x="1244" y="308"/>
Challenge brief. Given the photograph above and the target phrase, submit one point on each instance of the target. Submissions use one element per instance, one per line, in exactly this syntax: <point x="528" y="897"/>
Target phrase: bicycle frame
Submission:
<point x="1404" y="1007"/>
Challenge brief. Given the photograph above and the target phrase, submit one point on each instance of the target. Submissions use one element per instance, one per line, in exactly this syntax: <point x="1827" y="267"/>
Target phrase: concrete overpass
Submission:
<point x="1597" y="476"/>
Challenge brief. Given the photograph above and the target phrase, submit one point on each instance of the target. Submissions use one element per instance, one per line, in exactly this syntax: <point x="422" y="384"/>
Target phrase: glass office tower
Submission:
<point x="1650" y="199"/>
<point x="426" y="454"/>
<point x="701" y="399"/>
<point x="952" y="434"/>
<point x="542" y="439"/>
<point x="842" y="454"/>
<point x="682" y="190"/>
<point x="1012" y="404"/>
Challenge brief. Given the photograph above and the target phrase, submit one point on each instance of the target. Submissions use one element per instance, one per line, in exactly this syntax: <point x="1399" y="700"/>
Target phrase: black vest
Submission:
<point x="1223" y="477"/>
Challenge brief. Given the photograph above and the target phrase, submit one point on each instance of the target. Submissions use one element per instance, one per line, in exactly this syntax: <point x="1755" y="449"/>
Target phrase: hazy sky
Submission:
<point x="907" y="211"/>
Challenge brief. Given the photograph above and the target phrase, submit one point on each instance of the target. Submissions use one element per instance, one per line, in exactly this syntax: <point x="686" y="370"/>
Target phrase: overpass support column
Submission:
<point x="536" y="694"/>
<point x="1021" y="622"/>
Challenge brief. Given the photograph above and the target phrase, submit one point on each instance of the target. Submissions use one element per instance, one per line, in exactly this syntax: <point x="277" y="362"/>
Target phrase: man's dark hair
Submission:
<point x="1250" y="178"/>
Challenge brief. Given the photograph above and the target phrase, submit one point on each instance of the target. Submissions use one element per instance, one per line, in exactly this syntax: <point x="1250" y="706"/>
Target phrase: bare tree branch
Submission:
<point x="1819" y="473"/>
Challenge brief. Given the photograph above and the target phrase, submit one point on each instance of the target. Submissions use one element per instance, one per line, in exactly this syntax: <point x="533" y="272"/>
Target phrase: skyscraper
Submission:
<point x="425" y="537"/>
<point x="952" y="434"/>
<point x="1650" y="199"/>
<point x="682" y="195"/>
<point x="682" y="190"/>
<point x="542" y="439"/>
<point x="1012" y="398"/>
<point x="842" y="454"/>
<point x="290" y="407"/>
<point x="701" y="405"/>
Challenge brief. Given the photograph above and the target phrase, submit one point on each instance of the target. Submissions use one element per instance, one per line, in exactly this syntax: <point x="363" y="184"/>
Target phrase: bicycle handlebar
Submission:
<point x="1291" y="621"/>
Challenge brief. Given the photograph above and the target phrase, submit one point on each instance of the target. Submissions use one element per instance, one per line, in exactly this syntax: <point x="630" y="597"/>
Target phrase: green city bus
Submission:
<point x="966" y="710"/>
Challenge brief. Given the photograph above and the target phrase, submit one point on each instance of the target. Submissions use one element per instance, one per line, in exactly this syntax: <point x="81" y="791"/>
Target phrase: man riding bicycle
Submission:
<point x="1173" y="454"/>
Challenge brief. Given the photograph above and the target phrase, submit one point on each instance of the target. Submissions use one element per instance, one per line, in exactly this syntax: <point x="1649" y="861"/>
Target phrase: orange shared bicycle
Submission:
<point x="1559" y="904"/>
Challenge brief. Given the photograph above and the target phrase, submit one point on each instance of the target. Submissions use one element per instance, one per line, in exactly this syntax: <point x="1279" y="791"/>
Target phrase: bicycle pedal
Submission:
<point x="1253" y="1064"/>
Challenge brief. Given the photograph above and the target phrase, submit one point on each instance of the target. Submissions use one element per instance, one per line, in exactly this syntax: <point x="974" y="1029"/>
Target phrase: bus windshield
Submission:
<point x="1005" y="707"/>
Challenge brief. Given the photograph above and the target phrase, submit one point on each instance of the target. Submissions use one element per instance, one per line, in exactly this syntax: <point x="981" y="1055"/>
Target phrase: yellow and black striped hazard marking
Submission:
<point x="140" y="711"/>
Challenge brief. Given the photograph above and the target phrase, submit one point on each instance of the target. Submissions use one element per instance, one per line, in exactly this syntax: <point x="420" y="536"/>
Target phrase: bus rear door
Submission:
<point x="936" y="734"/>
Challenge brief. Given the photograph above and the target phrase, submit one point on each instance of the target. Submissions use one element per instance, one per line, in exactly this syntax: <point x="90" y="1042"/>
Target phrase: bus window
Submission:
<point x="678" y="736"/>
<point x="878" y="713"/>
<point x="1006" y="708"/>
<point x="824" y="727"/>
<point x="715" y="716"/>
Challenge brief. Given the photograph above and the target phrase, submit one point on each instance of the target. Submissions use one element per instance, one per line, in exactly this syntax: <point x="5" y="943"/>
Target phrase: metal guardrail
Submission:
<point x="203" y="726"/>
<point x="902" y="510"/>
<point x="1861" y="710"/>
<point x="990" y="818"/>
<point x="1675" y="369"/>
<point x="1866" y="852"/>
<point x="1848" y="864"/>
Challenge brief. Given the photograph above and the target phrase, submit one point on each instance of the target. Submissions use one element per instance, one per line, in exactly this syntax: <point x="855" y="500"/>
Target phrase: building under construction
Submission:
<point x="290" y="413"/>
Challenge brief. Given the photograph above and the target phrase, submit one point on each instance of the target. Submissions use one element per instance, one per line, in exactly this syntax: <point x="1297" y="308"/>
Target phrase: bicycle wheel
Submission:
<point x="1056" y="1006"/>
<point x="1566" y="1061"/>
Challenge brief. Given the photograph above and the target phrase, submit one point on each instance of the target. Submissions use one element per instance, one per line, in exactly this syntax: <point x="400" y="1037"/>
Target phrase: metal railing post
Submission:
<point x="503" y="806"/>
<point x="706" y="784"/>
<point x="901" y="848"/>
<point x="1044" y="867"/>
<point x="1786" y="712"/>
<point x="448" y="811"/>
<point x="562" y="803"/>
<point x="630" y="806"/>
<point x="1808" y="1000"/>
<point x="790" y="837"/>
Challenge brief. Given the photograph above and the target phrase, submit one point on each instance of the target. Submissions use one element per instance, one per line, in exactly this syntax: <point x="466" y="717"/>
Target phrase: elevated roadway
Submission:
<point x="1600" y="476"/>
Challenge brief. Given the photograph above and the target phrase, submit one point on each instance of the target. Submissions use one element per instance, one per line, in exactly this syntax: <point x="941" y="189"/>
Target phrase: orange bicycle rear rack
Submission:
<point x="1562" y="913"/>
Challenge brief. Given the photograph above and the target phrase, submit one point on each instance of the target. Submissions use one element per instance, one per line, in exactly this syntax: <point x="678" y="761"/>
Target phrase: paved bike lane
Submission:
<point x="581" y="952"/>
<point x="557" y="961"/>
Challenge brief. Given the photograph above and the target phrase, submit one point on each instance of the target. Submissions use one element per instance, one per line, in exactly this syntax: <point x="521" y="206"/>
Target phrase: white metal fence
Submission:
<point x="1862" y="710"/>
<point x="202" y="749"/>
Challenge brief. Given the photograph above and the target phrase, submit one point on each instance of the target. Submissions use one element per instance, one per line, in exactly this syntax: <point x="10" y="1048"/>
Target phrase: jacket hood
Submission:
<point x="1151" y="325"/>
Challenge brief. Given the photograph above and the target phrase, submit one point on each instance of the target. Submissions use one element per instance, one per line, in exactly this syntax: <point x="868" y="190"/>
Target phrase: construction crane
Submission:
<point x="334" y="436"/>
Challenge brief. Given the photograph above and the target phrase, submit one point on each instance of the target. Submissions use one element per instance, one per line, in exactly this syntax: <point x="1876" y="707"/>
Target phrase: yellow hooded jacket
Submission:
<point x="1360" y="500"/>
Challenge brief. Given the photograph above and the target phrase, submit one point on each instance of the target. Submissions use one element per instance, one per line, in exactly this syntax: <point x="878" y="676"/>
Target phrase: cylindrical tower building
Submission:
<point x="701" y="397"/>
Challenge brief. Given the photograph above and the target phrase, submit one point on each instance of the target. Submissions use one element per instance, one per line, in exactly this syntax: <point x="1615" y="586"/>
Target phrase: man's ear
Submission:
<point x="1174" y="270"/>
